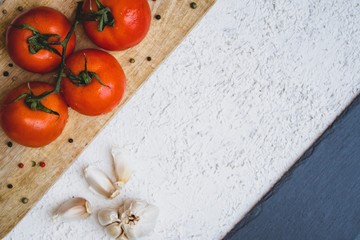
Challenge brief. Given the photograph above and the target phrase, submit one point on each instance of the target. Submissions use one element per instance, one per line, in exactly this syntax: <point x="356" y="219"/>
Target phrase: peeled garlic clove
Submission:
<point x="107" y="216"/>
<point x="138" y="218"/>
<point x="114" y="230"/>
<point x="100" y="182"/>
<point x="73" y="209"/>
<point x="121" y="167"/>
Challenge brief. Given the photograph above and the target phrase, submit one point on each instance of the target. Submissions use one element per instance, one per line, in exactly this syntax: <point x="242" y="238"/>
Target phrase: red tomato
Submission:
<point x="33" y="128"/>
<point x="131" y="23"/>
<point x="94" y="98"/>
<point x="46" y="21"/>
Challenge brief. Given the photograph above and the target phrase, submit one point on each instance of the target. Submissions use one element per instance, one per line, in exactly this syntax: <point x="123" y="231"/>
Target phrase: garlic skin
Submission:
<point x="114" y="229"/>
<point x="138" y="218"/>
<point x="73" y="209"/>
<point x="107" y="216"/>
<point x="122" y="167"/>
<point x="100" y="182"/>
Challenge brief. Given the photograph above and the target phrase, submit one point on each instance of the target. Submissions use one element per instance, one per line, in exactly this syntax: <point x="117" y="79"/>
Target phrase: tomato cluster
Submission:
<point x="90" y="81"/>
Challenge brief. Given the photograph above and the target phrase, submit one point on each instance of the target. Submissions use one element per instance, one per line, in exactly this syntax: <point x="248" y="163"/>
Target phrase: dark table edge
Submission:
<point x="256" y="209"/>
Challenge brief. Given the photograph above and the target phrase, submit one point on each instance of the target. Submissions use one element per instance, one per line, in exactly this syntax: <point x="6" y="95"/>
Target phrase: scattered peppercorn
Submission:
<point x="42" y="164"/>
<point x="10" y="186"/>
<point x="70" y="140"/>
<point x="24" y="200"/>
<point x="6" y="73"/>
<point x="131" y="60"/>
<point x="157" y="17"/>
<point x="9" y="144"/>
<point x="20" y="8"/>
<point x="4" y="11"/>
<point x="33" y="163"/>
<point x="193" y="5"/>
<point x="148" y="58"/>
<point x="10" y="65"/>
<point x="20" y="165"/>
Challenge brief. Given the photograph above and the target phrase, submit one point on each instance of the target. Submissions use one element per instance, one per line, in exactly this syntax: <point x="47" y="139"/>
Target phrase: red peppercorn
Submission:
<point x="20" y="165"/>
<point x="42" y="164"/>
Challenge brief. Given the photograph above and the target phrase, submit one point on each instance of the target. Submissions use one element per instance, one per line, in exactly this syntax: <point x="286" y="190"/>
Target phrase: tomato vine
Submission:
<point x="45" y="41"/>
<point x="64" y="44"/>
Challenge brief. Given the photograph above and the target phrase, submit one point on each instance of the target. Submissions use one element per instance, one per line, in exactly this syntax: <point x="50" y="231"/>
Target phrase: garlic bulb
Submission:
<point x="100" y="182"/>
<point x="138" y="218"/>
<point x="107" y="216"/>
<point x="73" y="209"/>
<point x="121" y="167"/>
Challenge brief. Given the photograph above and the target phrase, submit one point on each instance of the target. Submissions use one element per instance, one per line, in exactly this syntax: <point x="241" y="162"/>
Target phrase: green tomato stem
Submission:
<point x="103" y="16"/>
<point x="64" y="44"/>
<point x="41" y="41"/>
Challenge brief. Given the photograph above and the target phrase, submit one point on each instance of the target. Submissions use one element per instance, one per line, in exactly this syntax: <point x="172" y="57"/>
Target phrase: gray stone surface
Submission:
<point x="318" y="198"/>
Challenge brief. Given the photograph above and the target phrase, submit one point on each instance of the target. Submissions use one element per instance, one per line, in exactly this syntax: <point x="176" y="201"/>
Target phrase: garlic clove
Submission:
<point x="100" y="182"/>
<point x="123" y="236"/>
<point x="107" y="216"/>
<point x="138" y="218"/>
<point x="114" y="230"/>
<point x="122" y="167"/>
<point x="74" y="209"/>
<point x="124" y="208"/>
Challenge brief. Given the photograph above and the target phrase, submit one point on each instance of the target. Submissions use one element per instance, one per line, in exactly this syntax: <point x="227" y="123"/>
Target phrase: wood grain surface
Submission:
<point x="177" y="19"/>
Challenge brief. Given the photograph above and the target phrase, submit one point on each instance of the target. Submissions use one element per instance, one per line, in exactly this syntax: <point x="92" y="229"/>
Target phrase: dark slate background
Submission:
<point x="319" y="197"/>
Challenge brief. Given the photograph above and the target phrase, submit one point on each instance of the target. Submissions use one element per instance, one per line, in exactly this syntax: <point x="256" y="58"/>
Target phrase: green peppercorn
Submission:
<point x="24" y="200"/>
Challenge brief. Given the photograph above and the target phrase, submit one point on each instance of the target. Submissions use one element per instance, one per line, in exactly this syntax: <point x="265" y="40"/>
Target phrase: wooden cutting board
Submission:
<point x="177" y="19"/>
